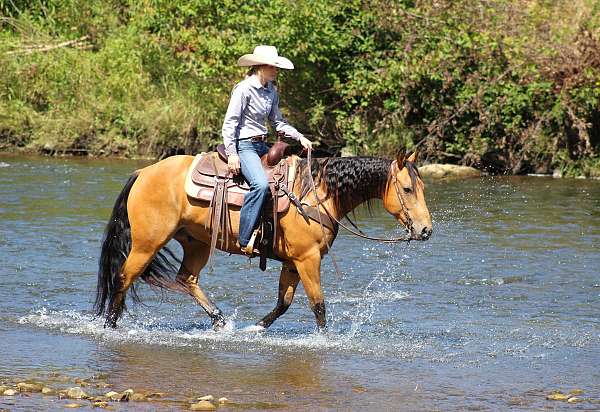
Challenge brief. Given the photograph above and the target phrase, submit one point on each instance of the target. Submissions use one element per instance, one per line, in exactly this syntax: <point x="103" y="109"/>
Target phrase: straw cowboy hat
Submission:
<point x="265" y="55"/>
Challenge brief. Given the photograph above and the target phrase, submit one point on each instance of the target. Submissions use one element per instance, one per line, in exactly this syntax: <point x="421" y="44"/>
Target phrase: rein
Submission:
<point x="360" y="233"/>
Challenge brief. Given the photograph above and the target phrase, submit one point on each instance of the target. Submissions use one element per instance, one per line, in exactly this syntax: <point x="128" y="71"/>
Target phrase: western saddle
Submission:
<point x="209" y="179"/>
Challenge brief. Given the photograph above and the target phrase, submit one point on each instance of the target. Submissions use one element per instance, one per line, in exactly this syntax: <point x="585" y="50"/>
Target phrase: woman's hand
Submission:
<point x="233" y="164"/>
<point x="307" y="144"/>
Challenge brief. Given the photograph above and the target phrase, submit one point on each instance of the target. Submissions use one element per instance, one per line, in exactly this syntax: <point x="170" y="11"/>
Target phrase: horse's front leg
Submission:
<point x="195" y="256"/>
<point x="309" y="269"/>
<point x="288" y="281"/>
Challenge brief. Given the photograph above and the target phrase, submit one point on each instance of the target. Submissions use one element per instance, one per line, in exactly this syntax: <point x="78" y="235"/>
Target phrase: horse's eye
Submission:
<point x="407" y="190"/>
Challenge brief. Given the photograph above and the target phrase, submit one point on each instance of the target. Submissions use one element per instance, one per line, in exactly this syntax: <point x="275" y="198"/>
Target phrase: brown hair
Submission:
<point x="252" y="70"/>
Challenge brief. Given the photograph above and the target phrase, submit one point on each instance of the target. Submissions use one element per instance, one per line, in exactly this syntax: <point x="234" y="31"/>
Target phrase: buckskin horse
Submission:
<point x="154" y="208"/>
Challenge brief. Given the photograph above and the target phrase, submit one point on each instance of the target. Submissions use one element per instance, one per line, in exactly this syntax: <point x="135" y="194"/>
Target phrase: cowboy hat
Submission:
<point x="265" y="55"/>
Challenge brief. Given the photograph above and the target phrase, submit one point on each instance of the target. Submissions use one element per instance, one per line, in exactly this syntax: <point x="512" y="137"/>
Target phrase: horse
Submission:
<point x="153" y="208"/>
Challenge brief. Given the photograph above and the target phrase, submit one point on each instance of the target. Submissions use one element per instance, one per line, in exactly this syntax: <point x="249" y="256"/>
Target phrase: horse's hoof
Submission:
<point x="109" y="324"/>
<point x="219" y="324"/>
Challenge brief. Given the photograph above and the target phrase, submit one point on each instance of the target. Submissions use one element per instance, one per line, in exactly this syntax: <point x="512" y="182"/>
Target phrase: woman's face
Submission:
<point x="269" y="72"/>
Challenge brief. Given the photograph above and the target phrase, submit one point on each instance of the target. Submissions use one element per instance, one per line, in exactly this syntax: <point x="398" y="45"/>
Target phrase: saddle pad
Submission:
<point x="202" y="177"/>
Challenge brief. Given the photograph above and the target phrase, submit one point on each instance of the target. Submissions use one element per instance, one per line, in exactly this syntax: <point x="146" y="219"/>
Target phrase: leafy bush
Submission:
<point x="510" y="86"/>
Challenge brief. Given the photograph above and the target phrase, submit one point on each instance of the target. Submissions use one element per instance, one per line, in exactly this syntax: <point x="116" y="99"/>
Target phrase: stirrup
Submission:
<point x="249" y="249"/>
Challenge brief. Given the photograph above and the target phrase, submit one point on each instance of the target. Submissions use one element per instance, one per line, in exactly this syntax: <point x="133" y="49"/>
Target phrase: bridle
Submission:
<point x="408" y="219"/>
<point x="360" y="233"/>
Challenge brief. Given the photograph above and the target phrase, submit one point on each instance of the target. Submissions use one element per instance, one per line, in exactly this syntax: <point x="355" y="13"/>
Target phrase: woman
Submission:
<point x="253" y="101"/>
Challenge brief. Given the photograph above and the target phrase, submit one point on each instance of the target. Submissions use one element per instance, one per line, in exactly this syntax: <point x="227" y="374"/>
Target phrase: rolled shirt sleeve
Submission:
<point x="279" y="123"/>
<point x="233" y="119"/>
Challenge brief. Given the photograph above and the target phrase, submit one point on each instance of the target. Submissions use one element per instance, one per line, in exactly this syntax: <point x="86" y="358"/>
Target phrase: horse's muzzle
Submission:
<point x="424" y="235"/>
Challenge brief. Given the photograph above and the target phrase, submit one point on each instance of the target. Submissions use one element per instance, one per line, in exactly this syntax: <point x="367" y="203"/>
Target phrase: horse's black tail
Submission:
<point x="116" y="245"/>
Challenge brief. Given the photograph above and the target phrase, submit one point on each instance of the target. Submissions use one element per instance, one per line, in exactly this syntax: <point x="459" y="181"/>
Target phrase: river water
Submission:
<point x="497" y="310"/>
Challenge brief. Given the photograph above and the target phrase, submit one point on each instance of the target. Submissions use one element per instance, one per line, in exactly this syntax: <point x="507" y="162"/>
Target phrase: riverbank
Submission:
<point x="429" y="171"/>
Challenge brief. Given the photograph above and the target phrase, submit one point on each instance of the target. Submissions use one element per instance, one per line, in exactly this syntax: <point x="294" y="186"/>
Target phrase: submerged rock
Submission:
<point x="48" y="391"/>
<point x="138" y="397"/>
<point x="203" y="406"/>
<point x="156" y="395"/>
<point x="100" y="404"/>
<point x="558" y="396"/>
<point x="72" y="405"/>
<point x="439" y="171"/>
<point x="29" y="387"/>
<point x="576" y="392"/>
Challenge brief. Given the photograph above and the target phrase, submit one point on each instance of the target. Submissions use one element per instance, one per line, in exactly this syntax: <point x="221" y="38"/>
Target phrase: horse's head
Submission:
<point x="404" y="197"/>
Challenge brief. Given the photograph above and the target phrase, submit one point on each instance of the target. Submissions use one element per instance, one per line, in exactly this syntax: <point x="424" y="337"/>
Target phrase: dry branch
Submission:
<point x="81" y="43"/>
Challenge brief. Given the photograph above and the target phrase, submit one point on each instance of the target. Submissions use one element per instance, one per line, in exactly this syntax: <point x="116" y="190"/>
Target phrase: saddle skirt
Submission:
<point x="208" y="171"/>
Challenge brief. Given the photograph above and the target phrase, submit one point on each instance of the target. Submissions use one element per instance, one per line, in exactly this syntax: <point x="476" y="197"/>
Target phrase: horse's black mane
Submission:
<point x="349" y="180"/>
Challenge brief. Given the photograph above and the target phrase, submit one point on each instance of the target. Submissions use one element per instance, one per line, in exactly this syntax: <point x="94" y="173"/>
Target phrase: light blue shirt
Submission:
<point x="250" y="106"/>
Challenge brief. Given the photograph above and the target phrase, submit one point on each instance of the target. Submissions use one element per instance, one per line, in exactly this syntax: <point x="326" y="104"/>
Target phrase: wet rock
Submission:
<point x="72" y="405"/>
<point x="48" y="147"/>
<point x="206" y="398"/>
<point x="126" y="395"/>
<point x="76" y="393"/>
<point x="29" y="387"/>
<point x="203" y="406"/>
<point x="517" y="401"/>
<point x="3" y="388"/>
<point x="82" y="382"/>
<point x="155" y="395"/>
<point x="223" y="400"/>
<point x="100" y="404"/>
<point x="48" y="391"/>
<point x="558" y="396"/>
<point x="119" y="396"/>
<point x="574" y="399"/>
<point x="9" y="392"/>
<point x="439" y="171"/>
<point x="99" y="399"/>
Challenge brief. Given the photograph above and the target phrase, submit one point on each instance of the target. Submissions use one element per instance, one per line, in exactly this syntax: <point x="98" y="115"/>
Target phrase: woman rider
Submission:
<point x="253" y="101"/>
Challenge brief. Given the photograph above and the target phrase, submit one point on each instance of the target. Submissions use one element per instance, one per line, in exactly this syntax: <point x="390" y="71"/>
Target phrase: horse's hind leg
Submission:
<point x="134" y="266"/>
<point x="195" y="256"/>
<point x="288" y="281"/>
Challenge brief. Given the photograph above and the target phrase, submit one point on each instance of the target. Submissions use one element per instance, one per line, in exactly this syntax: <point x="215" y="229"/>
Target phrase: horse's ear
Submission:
<point x="400" y="159"/>
<point x="413" y="157"/>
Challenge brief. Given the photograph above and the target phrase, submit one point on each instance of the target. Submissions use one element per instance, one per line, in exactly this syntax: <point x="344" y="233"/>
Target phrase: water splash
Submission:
<point x="154" y="331"/>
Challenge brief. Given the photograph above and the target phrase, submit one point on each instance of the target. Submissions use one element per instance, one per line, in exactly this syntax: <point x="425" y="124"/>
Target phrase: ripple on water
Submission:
<point x="491" y="281"/>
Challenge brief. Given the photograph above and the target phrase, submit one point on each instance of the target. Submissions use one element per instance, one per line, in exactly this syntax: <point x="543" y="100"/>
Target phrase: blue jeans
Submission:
<point x="254" y="174"/>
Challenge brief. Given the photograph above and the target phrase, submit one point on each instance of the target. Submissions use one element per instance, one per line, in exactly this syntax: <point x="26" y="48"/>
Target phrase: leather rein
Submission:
<point x="360" y="233"/>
